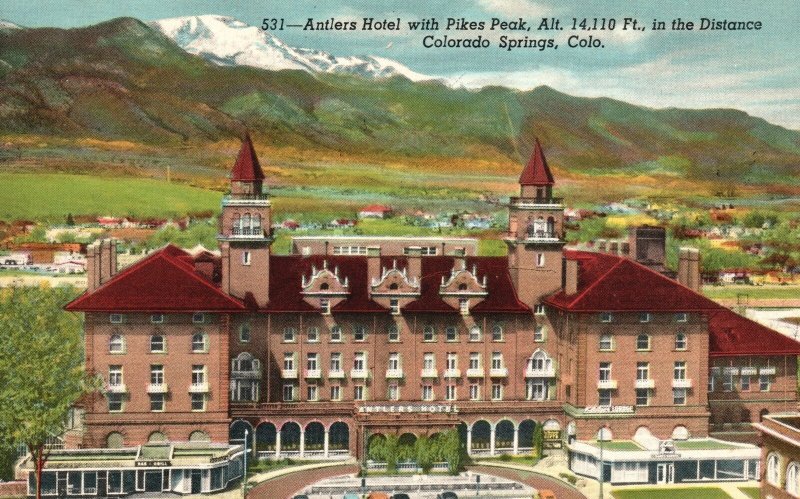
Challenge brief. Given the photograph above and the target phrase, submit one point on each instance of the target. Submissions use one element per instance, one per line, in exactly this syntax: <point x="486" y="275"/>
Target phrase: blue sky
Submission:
<point x="755" y="71"/>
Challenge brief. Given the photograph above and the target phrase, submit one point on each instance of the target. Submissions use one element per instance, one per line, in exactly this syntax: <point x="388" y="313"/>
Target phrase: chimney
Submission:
<point x="113" y="262"/>
<point x="601" y="245"/>
<point x="225" y="256"/>
<point x="613" y="247"/>
<point x="414" y="262"/>
<point x="459" y="258"/>
<point x="571" y="276"/>
<point x="105" y="261"/>
<point x="91" y="267"/>
<point x="689" y="268"/>
<point x="374" y="270"/>
<point x="625" y="248"/>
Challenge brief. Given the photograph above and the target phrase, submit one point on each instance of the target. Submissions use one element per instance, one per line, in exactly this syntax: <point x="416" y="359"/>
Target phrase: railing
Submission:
<point x="452" y="373"/>
<point x="681" y="383"/>
<point x="498" y="372"/>
<point x="548" y="372"/>
<point x="429" y="373"/>
<point x="246" y="199"/>
<point x="607" y="384"/>
<point x="476" y="372"/>
<point x="256" y="230"/>
<point x="359" y="373"/>
<point x="313" y="373"/>
<point x="289" y="373"/>
<point x="543" y="201"/>
<point x="253" y="374"/>
<point x="645" y="383"/>
<point x="157" y="388"/>
<point x="338" y="374"/>
<point x="394" y="373"/>
<point x="119" y="388"/>
<point x="198" y="388"/>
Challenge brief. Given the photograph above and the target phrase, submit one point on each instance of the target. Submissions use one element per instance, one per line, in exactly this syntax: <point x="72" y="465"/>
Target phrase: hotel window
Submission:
<point x="642" y="370"/>
<point x="606" y="342"/>
<point x="497" y="360"/>
<point x="497" y="332"/>
<point x="497" y="391"/>
<point x="312" y="334"/>
<point x="156" y="402"/>
<point x="359" y="392"/>
<point x="475" y="333"/>
<point x="427" y="393"/>
<point x="289" y="335"/>
<point x="680" y="341"/>
<point x="325" y="306"/>
<point x="156" y="374"/>
<point x="359" y="333"/>
<point x="393" y="392"/>
<point x="474" y="360"/>
<point x="680" y="370"/>
<point x="474" y="391"/>
<point x="157" y="343"/>
<point x="463" y="305"/>
<point x="681" y="317"/>
<point x="679" y="396"/>
<point x="312" y="361"/>
<point x="336" y="334"/>
<point x="198" y="343"/>
<point x="157" y="318"/>
<point x="336" y="362"/>
<point x="360" y="361"/>
<point x="394" y="361"/>
<point x="114" y="402"/>
<point x="198" y="374"/>
<point x="312" y="392"/>
<point x="394" y="332"/>
<point x="116" y="344"/>
<point x="763" y="383"/>
<point x="288" y="392"/>
<point x="394" y="306"/>
<point x="288" y="361"/>
<point x="540" y="259"/>
<point x="198" y="402"/>
<point x="116" y="318"/>
<point x="452" y="361"/>
<point x="246" y="258"/>
<point x="538" y="309"/>
<point x="711" y="382"/>
<point x="198" y="318"/>
<point x="642" y="396"/>
<point x="244" y="333"/>
<point x="451" y="333"/>
<point x="428" y="361"/>
<point x="336" y="392"/>
<point x="605" y="371"/>
<point x="644" y="317"/>
<point x="773" y="469"/>
<point x="745" y="383"/>
<point x="428" y="333"/>
<point x="604" y="397"/>
<point x="643" y="342"/>
<point x="115" y="376"/>
<point x="538" y="333"/>
<point x="727" y="381"/>
<point x="450" y="392"/>
<point x="606" y="317"/>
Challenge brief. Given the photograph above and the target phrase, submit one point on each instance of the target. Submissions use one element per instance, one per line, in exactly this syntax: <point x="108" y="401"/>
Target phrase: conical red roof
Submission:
<point x="536" y="172"/>
<point x="247" y="168"/>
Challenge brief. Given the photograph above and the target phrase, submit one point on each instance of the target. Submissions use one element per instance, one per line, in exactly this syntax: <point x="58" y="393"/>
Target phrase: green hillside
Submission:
<point x="121" y="80"/>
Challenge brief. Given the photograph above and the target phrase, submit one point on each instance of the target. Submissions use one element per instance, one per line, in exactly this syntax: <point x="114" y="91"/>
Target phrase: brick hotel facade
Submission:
<point x="315" y="352"/>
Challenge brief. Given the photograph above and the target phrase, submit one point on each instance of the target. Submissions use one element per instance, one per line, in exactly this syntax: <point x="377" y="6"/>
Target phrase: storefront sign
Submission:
<point x="550" y="435"/>
<point x="608" y="409"/>
<point x="152" y="463"/>
<point x="408" y="408"/>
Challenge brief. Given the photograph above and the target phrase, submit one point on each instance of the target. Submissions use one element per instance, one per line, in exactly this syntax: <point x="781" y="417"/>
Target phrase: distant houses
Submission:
<point x="375" y="211"/>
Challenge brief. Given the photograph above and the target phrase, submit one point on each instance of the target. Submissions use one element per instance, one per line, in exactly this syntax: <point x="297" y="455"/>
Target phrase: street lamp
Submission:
<point x="244" y="479"/>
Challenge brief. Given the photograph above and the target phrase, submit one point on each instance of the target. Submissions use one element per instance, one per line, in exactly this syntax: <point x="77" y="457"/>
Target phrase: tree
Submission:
<point x="70" y="219"/>
<point x="538" y="441"/>
<point x="452" y="450"/>
<point x="424" y="453"/>
<point x="41" y="368"/>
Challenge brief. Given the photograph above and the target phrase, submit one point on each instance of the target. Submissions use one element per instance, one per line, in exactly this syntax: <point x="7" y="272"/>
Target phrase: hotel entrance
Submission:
<point x="665" y="473"/>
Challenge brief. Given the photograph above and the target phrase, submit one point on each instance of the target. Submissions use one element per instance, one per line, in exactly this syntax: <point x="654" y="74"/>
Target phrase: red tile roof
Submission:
<point x="609" y="283"/>
<point x="247" y="167"/>
<point x="376" y="208"/>
<point x="536" y="172"/>
<point x="165" y="281"/>
<point x="730" y="334"/>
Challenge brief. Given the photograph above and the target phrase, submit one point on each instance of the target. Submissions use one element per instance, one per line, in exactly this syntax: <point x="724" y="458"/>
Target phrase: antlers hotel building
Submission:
<point x="315" y="352"/>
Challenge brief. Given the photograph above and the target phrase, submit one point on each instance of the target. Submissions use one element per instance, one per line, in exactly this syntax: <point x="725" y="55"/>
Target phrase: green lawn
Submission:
<point x="753" y="492"/>
<point x="671" y="493"/>
<point x="751" y="292"/>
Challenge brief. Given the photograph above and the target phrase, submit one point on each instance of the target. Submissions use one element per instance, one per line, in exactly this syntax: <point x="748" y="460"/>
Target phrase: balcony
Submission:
<point x="534" y="202"/>
<point x="681" y="383"/>
<point x="429" y="373"/>
<point x="289" y="374"/>
<point x="645" y="383"/>
<point x="246" y="200"/>
<point x="251" y="374"/>
<point x="452" y="373"/>
<point x="607" y="384"/>
<point x="157" y="388"/>
<point x="394" y="373"/>
<point x="198" y="388"/>
<point x="359" y="373"/>
<point x="476" y="372"/>
<point x="118" y="388"/>
<point x="546" y="372"/>
<point x="313" y="373"/>
<point x="337" y="374"/>
<point x="498" y="372"/>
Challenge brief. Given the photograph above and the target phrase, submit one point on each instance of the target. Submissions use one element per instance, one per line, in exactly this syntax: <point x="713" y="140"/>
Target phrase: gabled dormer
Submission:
<point x="395" y="282"/>
<point x="464" y="283"/>
<point x="325" y="282"/>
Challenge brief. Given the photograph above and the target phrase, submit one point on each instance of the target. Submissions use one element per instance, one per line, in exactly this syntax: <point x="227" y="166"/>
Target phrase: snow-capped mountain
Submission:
<point x="227" y="41"/>
<point x="7" y="26"/>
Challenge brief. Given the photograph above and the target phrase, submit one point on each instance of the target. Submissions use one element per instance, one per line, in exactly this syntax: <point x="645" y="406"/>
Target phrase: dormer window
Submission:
<point x="157" y="318"/>
<point x="393" y="286"/>
<point x="325" y="305"/>
<point x="198" y="318"/>
<point x="644" y="317"/>
<point x="116" y="318"/>
<point x="324" y="286"/>
<point x="606" y="317"/>
<point x="538" y="309"/>
<point x="462" y="287"/>
<point x="394" y="306"/>
<point x="463" y="306"/>
<point x="681" y="317"/>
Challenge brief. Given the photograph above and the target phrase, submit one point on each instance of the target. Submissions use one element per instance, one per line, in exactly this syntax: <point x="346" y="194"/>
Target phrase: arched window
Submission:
<point x="539" y="227"/>
<point x="245" y="362"/>
<point x="237" y="224"/>
<point x="116" y="344"/>
<point x="680" y="433"/>
<point x="115" y="440"/>
<point x="497" y="332"/>
<point x="199" y="436"/>
<point x="428" y="333"/>
<point x="475" y="333"/>
<point x="324" y="286"/>
<point x="462" y="287"/>
<point x="606" y="342"/>
<point x="246" y="224"/>
<point x="680" y="341"/>
<point x="156" y="436"/>
<point x="605" y="434"/>
<point x="773" y="469"/>
<point x="256" y="222"/>
<point x="393" y="286"/>
<point x="643" y="342"/>
<point x="244" y="333"/>
<point x="198" y="342"/>
<point x="551" y="227"/>
<point x="540" y="361"/>
<point x="157" y="343"/>
<point x="793" y="479"/>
